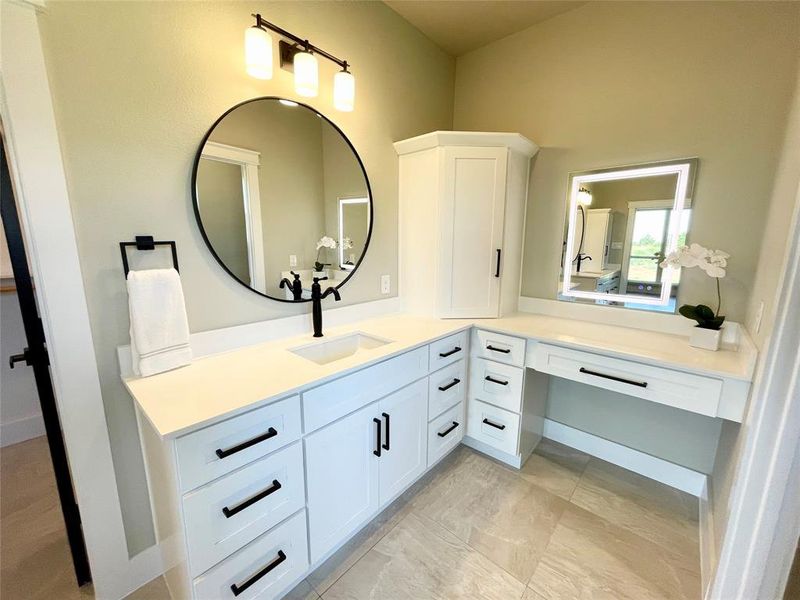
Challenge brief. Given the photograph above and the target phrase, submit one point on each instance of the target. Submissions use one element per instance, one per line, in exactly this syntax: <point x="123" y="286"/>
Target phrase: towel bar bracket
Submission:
<point x="146" y="242"/>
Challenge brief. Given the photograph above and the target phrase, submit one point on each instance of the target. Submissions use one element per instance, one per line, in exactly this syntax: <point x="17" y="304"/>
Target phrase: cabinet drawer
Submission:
<point x="328" y="402"/>
<point x="496" y="384"/>
<point x="211" y="452"/>
<point x="448" y="350"/>
<point x="265" y="568"/>
<point x="687" y="391"/>
<point x="223" y="516"/>
<point x="446" y="387"/>
<point x="494" y="426"/>
<point x="445" y="432"/>
<point x="499" y="347"/>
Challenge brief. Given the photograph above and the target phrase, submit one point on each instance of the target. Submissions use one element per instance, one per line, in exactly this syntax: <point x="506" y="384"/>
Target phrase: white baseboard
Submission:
<point x="20" y="430"/>
<point x="708" y="540"/>
<point x="652" y="467"/>
<point x="144" y="567"/>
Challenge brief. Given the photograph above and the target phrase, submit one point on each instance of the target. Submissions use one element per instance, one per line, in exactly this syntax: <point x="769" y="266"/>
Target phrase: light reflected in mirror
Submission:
<point x="281" y="194"/>
<point x="620" y="224"/>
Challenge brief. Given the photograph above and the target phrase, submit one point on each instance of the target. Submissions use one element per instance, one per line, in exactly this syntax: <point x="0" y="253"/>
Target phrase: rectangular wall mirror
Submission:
<point x="621" y="222"/>
<point x="353" y="229"/>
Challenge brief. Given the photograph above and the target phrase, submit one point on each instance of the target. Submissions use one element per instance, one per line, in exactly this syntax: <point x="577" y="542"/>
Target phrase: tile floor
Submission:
<point x="566" y="526"/>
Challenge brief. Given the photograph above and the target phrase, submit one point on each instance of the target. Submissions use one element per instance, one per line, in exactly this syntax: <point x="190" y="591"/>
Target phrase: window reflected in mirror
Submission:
<point x="620" y="225"/>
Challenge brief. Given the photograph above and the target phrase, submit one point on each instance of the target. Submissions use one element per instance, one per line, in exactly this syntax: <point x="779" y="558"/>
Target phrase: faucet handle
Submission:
<point x="317" y="279"/>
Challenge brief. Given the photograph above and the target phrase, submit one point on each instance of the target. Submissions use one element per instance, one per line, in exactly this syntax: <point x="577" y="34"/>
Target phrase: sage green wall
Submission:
<point x="136" y="85"/>
<point x="615" y="83"/>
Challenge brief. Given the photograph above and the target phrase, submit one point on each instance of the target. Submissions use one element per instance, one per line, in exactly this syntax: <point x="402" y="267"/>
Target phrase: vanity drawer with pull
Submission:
<point x="330" y="401"/>
<point x="446" y="387"/>
<point x="228" y="513"/>
<point x="445" y="432"/>
<point x="499" y="347"/>
<point x="496" y="384"/>
<point x="448" y="350"/>
<point x="219" y="449"/>
<point x="493" y="426"/>
<point x="687" y="391"/>
<point x="264" y="569"/>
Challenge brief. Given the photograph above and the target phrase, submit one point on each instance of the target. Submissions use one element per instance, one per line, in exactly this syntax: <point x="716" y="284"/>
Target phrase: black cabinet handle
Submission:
<point x="448" y="430"/>
<point x="444" y="388"/>
<point x="377" y="451"/>
<point x="270" y="433"/>
<point x="388" y="441"/>
<point x="503" y="350"/>
<point x="497" y="267"/>
<point x="495" y="425"/>
<point x="493" y="380"/>
<point x="229" y="512"/>
<point x="450" y="353"/>
<point x="642" y="384"/>
<point x="238" y="589"/>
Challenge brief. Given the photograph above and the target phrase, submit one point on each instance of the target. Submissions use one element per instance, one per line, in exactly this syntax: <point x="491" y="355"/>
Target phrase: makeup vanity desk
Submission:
<point x="262" y="463"/>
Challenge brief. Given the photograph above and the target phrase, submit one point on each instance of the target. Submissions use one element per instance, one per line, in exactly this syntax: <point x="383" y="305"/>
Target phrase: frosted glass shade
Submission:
<point x="344" y="91"/>
<point x="258" y="53"/>
<point x="584" y="197"/>
<point x="306" y="74"/>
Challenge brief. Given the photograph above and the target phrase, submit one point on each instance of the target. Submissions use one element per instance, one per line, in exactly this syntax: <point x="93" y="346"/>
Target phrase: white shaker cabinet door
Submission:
<point x="405" y="438"/>
<point x="471" y="214"/>
<point x="342" y="478"/>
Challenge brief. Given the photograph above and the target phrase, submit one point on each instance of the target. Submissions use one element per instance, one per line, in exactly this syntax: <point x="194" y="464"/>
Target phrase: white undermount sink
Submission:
<point x="328" y="350"/>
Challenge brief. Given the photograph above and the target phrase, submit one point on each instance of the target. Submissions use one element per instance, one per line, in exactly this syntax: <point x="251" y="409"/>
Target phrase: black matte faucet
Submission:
<point x="316" y="301"/>
<point x="580" y="258"/>
<point x="296" y="286"/>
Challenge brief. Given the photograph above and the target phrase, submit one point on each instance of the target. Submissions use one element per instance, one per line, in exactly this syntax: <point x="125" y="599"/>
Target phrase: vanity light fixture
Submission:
<point x="258" y="52"/>
<point x="584" y="197"/>
<point x="297" y="55"/>
<point x="287" y="102"/>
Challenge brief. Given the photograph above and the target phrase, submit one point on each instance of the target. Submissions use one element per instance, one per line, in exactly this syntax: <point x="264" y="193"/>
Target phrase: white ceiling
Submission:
<point x="458" y="26"/>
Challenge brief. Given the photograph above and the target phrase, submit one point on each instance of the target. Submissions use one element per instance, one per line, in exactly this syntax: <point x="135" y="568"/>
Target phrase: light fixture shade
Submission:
<point x="306" y="74"/>
<point x="584" y="197"/>
<point x="258" y="53"/>
<point x="344" y="91"/>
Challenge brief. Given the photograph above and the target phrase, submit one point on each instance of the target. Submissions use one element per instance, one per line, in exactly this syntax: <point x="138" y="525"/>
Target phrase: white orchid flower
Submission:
<point x="347" y="243"/>
<point x="326" y="242"/>
<point x="712" y="262"/>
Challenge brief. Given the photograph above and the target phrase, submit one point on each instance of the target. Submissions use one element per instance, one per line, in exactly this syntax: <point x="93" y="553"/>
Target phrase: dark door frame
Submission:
<point x="36" y="356"/>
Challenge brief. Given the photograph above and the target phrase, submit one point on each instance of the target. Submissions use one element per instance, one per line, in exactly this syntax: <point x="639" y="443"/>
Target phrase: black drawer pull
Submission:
<point x="450" y="353"/>
<point x="229" y="512"/>
<point x="503" y="350"/>
<point x="495" y="425"/>
<point x="270" y="433"/>
<point x="377" y="451"/>
<point x="493" y="380"/>
<point x="497" y="268"/>
<point x="238" y="589"/>
<point x="448" y="430"/>
<point x="387" y="444"/>
<point x="444" y="388"/>
<point x="642" y="384"/>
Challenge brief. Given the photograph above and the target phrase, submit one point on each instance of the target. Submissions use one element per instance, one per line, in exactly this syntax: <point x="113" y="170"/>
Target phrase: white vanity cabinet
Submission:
<point x="597" y="237"/>
<point x="506" y="403"/>
<point x="462" y="208"/>
<point x="361" y="462"/>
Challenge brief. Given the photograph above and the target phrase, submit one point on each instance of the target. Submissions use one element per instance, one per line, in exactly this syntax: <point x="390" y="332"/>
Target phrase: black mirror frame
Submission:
<point x="196" y="203"/>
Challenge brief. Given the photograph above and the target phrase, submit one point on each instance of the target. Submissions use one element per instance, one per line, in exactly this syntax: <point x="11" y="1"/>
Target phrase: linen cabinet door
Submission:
<point x="471" y="214"/>
<point x="405" y="438"/>
<point x="341" y="478"/>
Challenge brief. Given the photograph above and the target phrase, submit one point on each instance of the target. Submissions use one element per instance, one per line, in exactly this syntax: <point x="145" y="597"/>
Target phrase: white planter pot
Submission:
<point x="707" y="339"/>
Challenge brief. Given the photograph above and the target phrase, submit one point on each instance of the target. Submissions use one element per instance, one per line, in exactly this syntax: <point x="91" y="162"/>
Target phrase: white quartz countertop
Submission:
<point x="222" y="385"/>
<point x="595" y="274"/>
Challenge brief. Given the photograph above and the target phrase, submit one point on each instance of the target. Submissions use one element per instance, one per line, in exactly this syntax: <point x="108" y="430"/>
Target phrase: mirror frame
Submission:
<point x="685" y="169"/>
<point x="196" y="202"/>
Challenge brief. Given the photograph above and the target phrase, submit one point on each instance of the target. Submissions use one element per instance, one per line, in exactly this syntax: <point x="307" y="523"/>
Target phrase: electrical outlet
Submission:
<point x="759" y="316"/>
<point x="292" y="260"/>
<point x="386" y="284"/>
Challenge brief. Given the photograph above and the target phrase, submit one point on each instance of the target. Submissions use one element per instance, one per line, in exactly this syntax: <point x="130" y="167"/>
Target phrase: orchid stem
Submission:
<point x="719" y="298"/>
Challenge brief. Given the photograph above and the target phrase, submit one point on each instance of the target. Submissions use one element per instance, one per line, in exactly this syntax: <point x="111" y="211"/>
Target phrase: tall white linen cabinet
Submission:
<point x="461" y="222"/>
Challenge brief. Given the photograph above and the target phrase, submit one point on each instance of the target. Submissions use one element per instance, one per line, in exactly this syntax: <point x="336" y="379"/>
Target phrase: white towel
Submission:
<point x="159" y="329"/>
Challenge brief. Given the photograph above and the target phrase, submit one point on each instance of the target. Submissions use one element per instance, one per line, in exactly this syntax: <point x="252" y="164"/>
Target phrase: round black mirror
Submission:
<point x="281" y="196"/>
